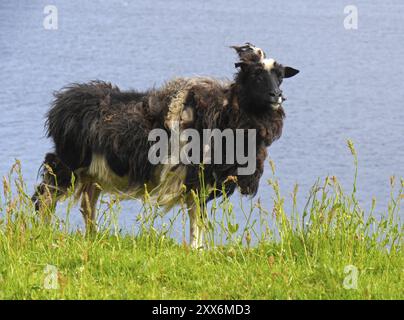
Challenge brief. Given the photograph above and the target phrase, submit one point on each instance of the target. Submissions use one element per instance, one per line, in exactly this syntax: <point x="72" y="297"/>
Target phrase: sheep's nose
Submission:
<point x="276" y="93"/>
<point x="277" y="97"/>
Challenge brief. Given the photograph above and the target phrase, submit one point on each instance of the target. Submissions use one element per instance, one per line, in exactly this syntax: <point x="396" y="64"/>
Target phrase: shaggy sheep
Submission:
<point x="101" y="137"/>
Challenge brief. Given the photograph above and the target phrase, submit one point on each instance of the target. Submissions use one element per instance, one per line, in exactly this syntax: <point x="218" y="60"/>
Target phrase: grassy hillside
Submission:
<point x="331" y="250"/>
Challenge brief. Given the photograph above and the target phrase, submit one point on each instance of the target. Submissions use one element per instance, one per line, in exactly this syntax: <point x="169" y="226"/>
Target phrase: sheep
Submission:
<point x="102" y="138"/>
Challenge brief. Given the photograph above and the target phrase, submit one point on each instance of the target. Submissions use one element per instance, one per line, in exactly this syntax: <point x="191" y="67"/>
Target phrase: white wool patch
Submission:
<point x="269" y="64"/>
<point x="259" y="52"/>
<point x="100" y="171"/>
<point x="170" y="186"/>
<point x="165" y="189"/>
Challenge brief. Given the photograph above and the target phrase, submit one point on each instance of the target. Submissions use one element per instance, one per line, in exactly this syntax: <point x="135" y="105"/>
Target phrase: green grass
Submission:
<point x="273" y="254"/>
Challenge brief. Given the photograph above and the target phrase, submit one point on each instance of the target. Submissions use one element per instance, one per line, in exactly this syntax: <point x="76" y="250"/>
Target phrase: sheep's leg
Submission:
<point x="90" y="195"/>
<point x="195" y="228"/>
<point x="56" y="179"/>
<point x="45" y="199"/>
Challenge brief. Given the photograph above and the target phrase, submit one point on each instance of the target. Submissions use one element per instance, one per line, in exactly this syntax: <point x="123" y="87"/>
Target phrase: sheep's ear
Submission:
<point x="290" y="72"/>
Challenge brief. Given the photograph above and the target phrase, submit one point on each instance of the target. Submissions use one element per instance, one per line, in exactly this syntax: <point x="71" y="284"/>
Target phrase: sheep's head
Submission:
<point x="261" y="77"/>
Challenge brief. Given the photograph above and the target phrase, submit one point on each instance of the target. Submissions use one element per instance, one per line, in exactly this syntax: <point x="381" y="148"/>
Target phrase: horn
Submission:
<point x="249" y="52"/>
<point x="244" y="48"/>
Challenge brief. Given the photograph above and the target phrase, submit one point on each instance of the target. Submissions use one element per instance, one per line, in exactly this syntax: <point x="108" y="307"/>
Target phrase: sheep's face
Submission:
<point x="260" y="77"/>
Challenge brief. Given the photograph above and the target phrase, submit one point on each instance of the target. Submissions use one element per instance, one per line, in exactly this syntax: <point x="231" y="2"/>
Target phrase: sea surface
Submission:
<point x="351" y="83"/>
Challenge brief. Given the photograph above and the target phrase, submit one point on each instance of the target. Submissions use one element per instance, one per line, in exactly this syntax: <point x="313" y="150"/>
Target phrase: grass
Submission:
<point x="331" y="250"/>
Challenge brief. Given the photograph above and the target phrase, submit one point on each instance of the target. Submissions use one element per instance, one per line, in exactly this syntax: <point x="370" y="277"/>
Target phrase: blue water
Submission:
<point x="351" y="83"/>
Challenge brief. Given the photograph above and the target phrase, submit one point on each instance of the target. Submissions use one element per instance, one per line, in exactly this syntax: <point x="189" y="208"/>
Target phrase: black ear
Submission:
<point x="290" y="72"/>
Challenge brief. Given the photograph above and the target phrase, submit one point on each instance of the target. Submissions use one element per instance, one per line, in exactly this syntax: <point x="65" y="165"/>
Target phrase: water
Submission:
<point x="350" y="85"/>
